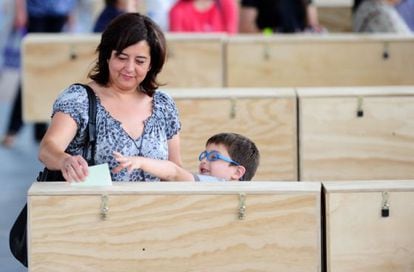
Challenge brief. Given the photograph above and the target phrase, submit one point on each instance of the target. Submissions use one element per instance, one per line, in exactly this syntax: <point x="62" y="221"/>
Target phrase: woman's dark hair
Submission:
<point x="126" y="30"/>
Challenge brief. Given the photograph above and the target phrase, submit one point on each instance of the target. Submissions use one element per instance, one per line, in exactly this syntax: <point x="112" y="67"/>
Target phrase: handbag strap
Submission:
<point x="91" y="129"/>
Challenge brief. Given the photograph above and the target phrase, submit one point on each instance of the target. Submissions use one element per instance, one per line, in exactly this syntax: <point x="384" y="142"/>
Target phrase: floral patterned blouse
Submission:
<point x="160" y="127"/>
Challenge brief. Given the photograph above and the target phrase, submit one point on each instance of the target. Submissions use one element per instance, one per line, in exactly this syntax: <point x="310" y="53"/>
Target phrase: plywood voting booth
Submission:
<point x="335" y="15"/>
<point x="50" y="63"/>
<point x="356" y="133"/>
<point x="318" y="60"/>
<point x="369" y="226"/>
<point x="194" y="60"/>
<point x="175" y="226"/>
<point x="53" y="61"/>
<point x="266" y="116"/>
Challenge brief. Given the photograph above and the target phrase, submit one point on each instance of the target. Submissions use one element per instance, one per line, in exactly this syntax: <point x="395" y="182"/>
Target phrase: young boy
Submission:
<point x="228" y="156"/>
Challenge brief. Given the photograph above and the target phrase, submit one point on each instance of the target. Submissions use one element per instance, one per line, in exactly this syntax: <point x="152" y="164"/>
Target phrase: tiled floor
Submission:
<point x="18" y="169"/>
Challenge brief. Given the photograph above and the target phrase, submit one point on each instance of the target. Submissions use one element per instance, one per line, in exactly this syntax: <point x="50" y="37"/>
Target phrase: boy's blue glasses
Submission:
<point x="214" y="156"/>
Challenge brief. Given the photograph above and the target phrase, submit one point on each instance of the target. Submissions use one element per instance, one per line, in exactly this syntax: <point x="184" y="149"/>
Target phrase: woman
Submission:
<point x="133" y="118"/>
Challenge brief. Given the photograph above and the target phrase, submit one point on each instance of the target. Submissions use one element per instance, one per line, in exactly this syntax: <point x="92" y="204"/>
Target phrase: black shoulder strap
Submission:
<point x="91" y="129"/>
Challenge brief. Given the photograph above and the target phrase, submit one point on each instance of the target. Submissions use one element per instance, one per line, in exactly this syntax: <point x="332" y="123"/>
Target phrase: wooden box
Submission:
<point x="358" y="238"/>
<point x="194" y="60"/>
<point x="266" y="116"/>
<point x="177" y="226"/>
<point x="51" y="62"/>
<point x="318" y="60"/>
<point x="335" y="143"/>
<point x="335" y="15"/>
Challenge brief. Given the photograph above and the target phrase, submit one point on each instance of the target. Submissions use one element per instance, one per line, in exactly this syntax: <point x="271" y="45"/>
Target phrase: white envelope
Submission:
<point x="99" y="175"/>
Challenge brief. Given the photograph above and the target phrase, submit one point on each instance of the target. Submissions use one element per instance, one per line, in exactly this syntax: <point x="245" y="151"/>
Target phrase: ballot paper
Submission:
<point x="98" y="176"/>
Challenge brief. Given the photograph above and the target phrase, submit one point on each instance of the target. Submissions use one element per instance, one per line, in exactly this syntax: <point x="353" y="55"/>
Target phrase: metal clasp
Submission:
<point x="386" y="51"/>
<point x="72" y="53"/>
<point x="385" y="210"/>
<point x="266" y="51"/>
<point x="233" y="107"/>
<point x="104" y="207"/>
<point x="242" y="206"/>
<point x="360" y="110"/>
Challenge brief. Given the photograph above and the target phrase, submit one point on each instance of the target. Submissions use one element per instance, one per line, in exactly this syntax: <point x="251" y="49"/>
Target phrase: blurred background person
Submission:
<point x="158" y="11"/>
<point x="204" y="16"/>
<point x="9" y="21"/>
<point x="83" y="16"/>
<point x="112" y="9"/>
<point x="279" y="16"/>
<point x="38" y="16"/>
<point x="406" y="10"/>
<point x="378" y="16"/>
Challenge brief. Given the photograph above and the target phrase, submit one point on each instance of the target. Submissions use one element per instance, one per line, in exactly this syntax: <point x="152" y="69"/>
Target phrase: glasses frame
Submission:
<point x="206" y="155"/>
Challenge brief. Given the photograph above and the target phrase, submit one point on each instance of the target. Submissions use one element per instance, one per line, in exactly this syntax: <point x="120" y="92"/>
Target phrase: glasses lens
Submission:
<point x="202" y="156"/>
<point x="212" y="156"/>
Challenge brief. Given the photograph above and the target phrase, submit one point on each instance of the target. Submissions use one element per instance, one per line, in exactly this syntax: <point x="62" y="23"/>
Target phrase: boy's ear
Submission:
<point x="239" y="172"/>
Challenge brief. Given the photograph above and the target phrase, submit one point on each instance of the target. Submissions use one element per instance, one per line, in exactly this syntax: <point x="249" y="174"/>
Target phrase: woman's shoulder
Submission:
<point x="74" y="96"/>
<point x="74" y="90"/>
<point x="164" y="103"/>
<point x="162" y="97"/>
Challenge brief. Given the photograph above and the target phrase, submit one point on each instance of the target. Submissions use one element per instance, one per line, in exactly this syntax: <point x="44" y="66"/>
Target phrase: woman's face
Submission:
<point x="128" y="69"/>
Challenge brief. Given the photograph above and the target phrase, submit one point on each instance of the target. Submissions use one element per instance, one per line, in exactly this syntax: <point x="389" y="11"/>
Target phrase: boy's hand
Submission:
<point x="124" y="162"/>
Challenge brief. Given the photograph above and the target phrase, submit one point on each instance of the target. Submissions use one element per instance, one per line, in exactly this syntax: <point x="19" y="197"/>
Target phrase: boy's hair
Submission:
<point x="241" y="149"/>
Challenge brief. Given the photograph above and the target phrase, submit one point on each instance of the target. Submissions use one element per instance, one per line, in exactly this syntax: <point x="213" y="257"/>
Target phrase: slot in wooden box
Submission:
<point x="175" y="226"/>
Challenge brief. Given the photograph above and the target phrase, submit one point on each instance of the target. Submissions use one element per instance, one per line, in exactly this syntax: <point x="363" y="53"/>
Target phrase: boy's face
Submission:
<point x="219" y="168"/>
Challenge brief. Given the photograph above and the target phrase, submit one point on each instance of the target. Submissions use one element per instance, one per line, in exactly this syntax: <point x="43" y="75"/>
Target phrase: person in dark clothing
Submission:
<point x="41" y="16"/>
<point x="112" y="9"/>
<point x="281" y="16"/>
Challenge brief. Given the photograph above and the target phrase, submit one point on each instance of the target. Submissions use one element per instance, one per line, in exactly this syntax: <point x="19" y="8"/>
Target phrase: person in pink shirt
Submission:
<point x="204" y="16"/>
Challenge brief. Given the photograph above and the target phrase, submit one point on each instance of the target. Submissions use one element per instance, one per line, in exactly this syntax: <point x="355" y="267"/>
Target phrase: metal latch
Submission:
<point x="104" y="207"/>
<point x="360" y="110"/>
<point x="385" y="210"/>
<point x="242" y="206"/>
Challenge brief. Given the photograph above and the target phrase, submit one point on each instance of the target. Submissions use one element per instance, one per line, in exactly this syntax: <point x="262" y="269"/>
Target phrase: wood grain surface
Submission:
<point x="358" y="238"/>
<point x="175" y="232"/>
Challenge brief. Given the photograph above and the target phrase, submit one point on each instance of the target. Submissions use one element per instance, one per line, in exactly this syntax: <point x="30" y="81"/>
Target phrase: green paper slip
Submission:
<point x="98" y="176"/>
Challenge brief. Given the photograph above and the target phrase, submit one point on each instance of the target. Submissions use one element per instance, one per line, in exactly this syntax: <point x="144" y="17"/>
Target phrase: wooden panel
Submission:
<point x="50" y="63"/>
<point x="314" y="60"/>
<point x="266" y="116"/>
<point x="335" y="18"/>
<point x="194" y="227"/>
<point x="193" y="61"/>
<point x="358" y="238"/>
<point x="335" y="144"/>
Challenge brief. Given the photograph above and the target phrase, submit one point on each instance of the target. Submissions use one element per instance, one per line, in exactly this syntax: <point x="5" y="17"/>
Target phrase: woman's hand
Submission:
<point x="129" y="163"/>
<point x="75" y="168"/>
